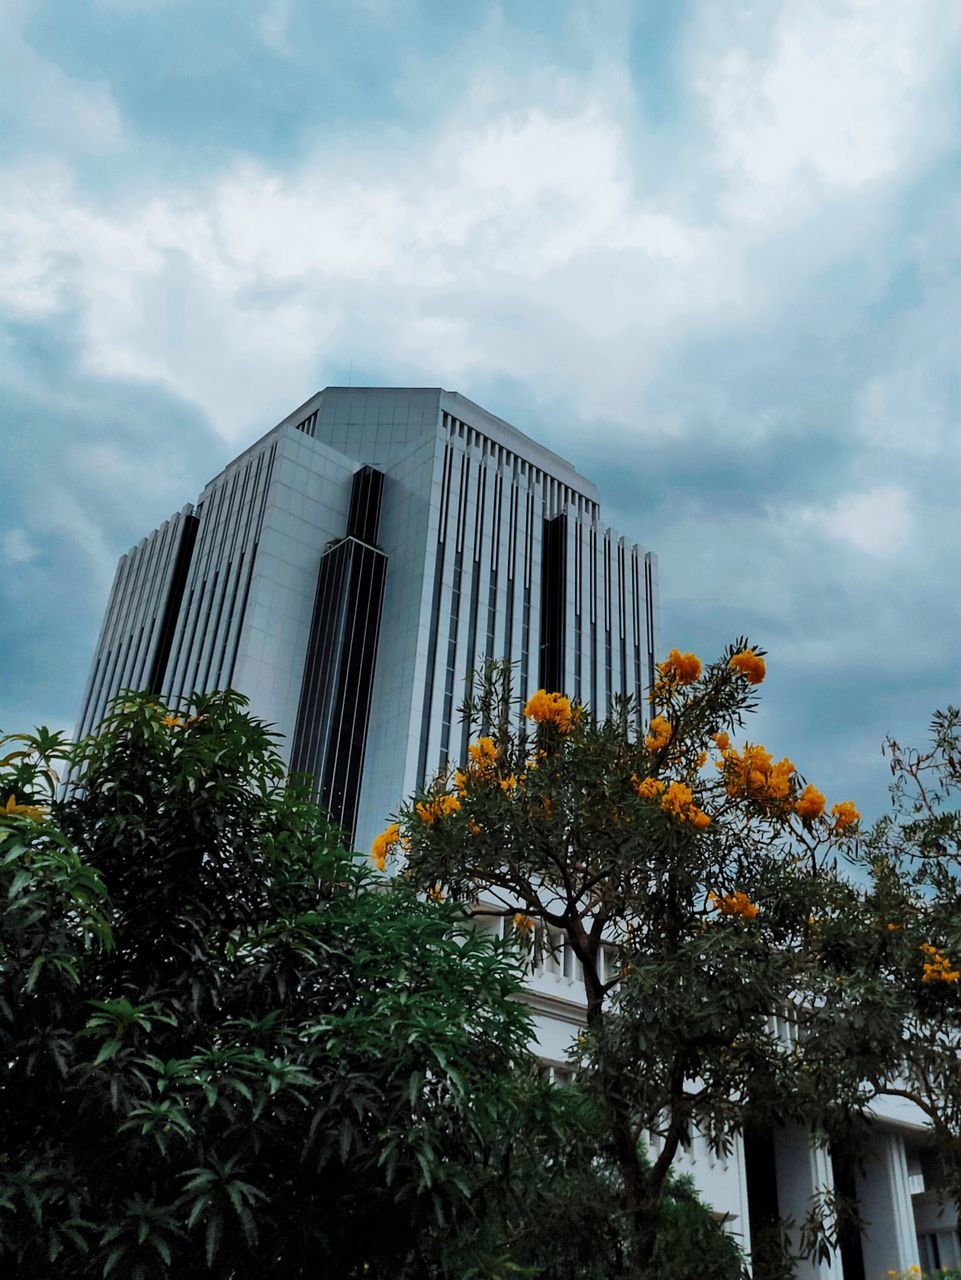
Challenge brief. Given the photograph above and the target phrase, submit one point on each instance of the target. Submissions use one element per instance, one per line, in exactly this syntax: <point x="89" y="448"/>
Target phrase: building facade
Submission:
<point x="348" y="573"/>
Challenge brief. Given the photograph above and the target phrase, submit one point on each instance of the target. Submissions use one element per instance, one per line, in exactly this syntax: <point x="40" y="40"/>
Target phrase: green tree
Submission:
<point x="224" y="1050"/>
<point x="702" y="887"/>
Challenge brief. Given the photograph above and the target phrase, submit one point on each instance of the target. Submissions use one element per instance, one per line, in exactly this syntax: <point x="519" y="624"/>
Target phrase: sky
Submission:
<point x="708" y="250"/>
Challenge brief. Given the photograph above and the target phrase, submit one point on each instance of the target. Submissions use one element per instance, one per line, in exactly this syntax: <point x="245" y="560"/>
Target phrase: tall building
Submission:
<point x="350" y="570"/>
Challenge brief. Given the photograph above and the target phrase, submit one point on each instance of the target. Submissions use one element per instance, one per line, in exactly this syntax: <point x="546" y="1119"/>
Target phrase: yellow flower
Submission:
<point x="440" y="807"/>
<point x="749" y="665"/>
<point x="483" y="751"/>
<point x="172" y="721"/>
<point x="551" y="708"/>
<point x="809" y="804"/>
<point x="649" y="789"/>
<point x="895" y="928"/>
<point x="436" y="894"/>
<point x="722" y="742"/>
<point x="938" y="968"/>
<point x="844" y="815"/>
<point x="678" y="800"/>
<point x="701" y="759"/>
<point x="659" y="734"/>
<point x="752" y="774"/>
<point x="508" y="784"/>
<point x="473" y="827"/>
<point x="734" y="904"/>
<point x="12" y="809"/>
<point x="523" y="924"/>
<point x="384" y="845"/>
<point x="680" y="668"/>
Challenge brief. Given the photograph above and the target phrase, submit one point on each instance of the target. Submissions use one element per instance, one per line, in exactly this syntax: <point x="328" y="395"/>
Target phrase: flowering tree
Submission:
<point x="709" y="872"/>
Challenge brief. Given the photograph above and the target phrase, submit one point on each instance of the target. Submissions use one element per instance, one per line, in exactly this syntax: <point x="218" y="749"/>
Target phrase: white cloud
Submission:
<point x="877" y="522"/>
<point x="17" y="547"/>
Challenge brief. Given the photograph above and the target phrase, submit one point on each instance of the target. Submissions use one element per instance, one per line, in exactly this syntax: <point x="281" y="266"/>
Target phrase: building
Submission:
<point x="348" y="572"/>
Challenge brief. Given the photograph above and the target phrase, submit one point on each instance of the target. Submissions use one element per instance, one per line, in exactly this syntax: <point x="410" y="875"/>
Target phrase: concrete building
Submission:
<point x="348" y="572"/>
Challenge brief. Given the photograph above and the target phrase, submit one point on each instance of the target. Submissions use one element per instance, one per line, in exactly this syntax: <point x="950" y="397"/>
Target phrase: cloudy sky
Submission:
<point x="711" y="252"/>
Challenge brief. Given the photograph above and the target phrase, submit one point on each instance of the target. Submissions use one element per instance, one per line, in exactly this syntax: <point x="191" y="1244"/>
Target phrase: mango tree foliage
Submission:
<point x="224" y="1052"/>
<point x="703" y="886"/>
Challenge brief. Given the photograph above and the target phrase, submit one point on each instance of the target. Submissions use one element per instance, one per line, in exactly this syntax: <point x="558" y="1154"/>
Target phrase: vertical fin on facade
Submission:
<point x="553" y="603"/>
<point x="332" y="720"/>
<point x="171" y="608"/>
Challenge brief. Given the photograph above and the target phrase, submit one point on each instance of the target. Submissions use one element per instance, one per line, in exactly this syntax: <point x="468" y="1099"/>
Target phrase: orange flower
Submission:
<point x="749" y="665"/>
<point x="678" y="800"/>
<point x="680" y="668"/>
<point x="649" y="789"/>
<point x="508" y="784"/>
<point x="754" y="775"/>
<point x="659" y="734"/>
<point x="722" y="742"/>
<point x="473" y="827"/>
<point x="523" y="924"/>
<point x="172" y="721"/>
<point x="734" y="904"/>
<point x="12" y="809"/>
<point x="439" y="807"/>
<point x="483" y="751"/>
<point x="809" y="804"/>
<point x="938" y="968"/>
<point x="436" y="894"/>
<point x="384" y="845"/>
<point x="844" y="815"/>
<point x="551" y="708"/>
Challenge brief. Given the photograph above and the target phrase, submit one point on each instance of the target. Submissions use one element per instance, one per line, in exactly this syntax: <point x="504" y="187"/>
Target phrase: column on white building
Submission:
<point x="888" y="1237"/>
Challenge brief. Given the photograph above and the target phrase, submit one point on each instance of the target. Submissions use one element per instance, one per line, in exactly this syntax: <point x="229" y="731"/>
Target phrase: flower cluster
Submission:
<point x="734" y="904"/>
<point x="551" y="708"/>
<point x="481" y="766"/>
<point x="749" y="665"/>
<point x="384" y="845"/>
<point x="658" y="735"/>
<point x="937" y="968"/>
<point x="440" y="807"/>
<point x="678" y="800"/>
<point x="754" y="775"/>
<point x="649" y="789"/>
<point x="435" y="893"/>
<point x="679" y="668"/>
<point x="844" y="815"/>
<point x="523" y="924"/>
<point x="810" y="804"/>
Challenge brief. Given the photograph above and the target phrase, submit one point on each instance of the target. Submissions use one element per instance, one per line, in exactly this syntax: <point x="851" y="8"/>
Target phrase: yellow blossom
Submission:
<point x="649" y="789"/>
<point x="722" y="742"/>
<point x="523" y="924"/>
<point x="753" y="774"/>
<point x="12" y="809"/>
<point x="436" y="893"/>
<point x="680" y="668"/>
<point x="894" y="928"/>
<point x="440" y="807"/>
<point x="483" y="751"/>
<point x="678" y="800"/>
<point x="473" y="827"/>
<point x="749" y="665"/>
<point x="659" y="734"/>
<point x="938" y="968"/>
<point x="172" y="721"/>
<point x="508" y="784"/>
<point x="734" y="904"/>
<point x="809" y="804"/>
<point x="384" y="845"/>
<point x="551" y="708"/>
<point x="844" y="815"/>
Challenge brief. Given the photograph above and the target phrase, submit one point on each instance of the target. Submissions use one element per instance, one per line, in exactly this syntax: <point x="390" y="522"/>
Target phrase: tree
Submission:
<point x="717" y="885"/>
<point x="225" y="1050"/>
